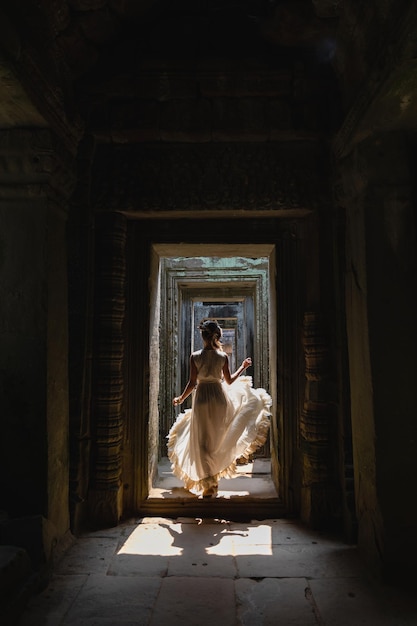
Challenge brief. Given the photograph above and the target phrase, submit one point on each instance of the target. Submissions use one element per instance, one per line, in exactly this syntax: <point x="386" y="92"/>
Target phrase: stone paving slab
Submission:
<point x="50" y="607"/>
<point x="196" y="602"/>
<point x="112" y="600"/>
<point x="272" y="601"/>
<point x="89" y="555"/>
<point x="150" y="538"/>
<point x="138" y="565"/>
<point x="298" y="561"/>
<point x="215" y="534"/>
<point x="197" y="564"/>
<point x="358" y="602"/>
<point x="281" y="531"/>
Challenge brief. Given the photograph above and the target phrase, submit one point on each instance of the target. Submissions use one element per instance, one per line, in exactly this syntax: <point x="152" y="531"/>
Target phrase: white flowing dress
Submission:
<point x="224" y="423"/>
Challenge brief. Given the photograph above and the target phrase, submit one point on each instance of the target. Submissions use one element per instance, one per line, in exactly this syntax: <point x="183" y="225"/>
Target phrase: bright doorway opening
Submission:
<point x="235" y="285"/>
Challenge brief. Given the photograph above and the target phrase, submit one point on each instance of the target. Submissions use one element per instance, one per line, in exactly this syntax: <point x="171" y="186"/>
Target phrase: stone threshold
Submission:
<point x="250" y="495"/>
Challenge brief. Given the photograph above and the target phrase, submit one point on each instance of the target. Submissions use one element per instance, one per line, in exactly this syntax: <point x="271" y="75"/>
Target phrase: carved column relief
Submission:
<point x="108" y="360"/>
<point x="316" y="422"/>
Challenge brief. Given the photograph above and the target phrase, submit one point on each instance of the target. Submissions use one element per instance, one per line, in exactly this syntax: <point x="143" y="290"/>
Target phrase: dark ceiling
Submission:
<point x="81" y="45"/>
<point x="101" y="35"/>
<point x="67" y="54"/>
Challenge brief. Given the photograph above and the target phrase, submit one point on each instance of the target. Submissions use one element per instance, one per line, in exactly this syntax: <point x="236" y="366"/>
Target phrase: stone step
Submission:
<point x="235" y="508"/>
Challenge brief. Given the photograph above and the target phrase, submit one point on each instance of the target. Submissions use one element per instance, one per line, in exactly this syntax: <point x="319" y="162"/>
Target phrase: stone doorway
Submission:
<point x="138" y="363"/>
<point x="189" y="283"/>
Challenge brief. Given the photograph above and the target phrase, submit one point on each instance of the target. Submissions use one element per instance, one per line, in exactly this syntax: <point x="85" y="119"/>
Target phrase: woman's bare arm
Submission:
<point x="192" y="381"/>
<point x="230" y="378"/>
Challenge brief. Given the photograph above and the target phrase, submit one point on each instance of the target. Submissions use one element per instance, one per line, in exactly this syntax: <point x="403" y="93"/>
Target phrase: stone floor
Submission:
<point x="194" y="571"/>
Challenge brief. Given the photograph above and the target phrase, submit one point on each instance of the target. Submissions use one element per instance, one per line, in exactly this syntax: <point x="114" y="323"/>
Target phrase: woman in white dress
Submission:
<point x="224" y="423"/>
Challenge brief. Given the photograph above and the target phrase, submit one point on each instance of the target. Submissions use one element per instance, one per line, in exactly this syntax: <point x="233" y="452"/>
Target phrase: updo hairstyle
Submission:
<point x="211" y="333"/>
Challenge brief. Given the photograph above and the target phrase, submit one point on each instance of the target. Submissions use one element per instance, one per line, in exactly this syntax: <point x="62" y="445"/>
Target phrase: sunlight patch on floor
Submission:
<point x="167" y="538"/>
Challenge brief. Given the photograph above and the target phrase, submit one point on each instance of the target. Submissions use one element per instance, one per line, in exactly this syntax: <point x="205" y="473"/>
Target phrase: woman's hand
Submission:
<point x="247" y="362"/>
<point x="177" y="401"/>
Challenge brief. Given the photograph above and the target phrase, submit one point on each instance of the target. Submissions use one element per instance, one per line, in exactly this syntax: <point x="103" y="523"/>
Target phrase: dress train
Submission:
<point x="204" y="445"/>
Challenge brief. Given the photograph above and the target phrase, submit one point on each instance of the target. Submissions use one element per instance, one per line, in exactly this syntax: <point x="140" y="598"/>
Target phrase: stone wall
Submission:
<point x="381" y="266"/>
<point x="23" y="287"/>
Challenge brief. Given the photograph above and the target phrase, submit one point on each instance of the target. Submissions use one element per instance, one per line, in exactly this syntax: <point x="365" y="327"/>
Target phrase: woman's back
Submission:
<point x="209" y="364"/>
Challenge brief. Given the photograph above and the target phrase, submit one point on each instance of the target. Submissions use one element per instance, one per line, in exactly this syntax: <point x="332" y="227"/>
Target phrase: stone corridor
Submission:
<point x="163" y="162"/>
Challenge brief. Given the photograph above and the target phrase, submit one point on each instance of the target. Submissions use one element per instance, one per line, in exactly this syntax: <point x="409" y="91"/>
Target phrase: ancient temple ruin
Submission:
<point x="253" y="161"/>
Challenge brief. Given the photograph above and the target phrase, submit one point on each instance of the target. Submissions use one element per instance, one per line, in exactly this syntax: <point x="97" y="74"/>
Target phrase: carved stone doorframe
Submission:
<point x="319" y="498"/>
<point x="127" y="363"/>
<point x="105" y="500"/>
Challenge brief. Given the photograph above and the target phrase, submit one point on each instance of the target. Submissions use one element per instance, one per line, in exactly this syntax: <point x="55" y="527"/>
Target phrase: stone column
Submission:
<point x="316" y="427"/>
<point x="105" y="493"/>
<point x="36" y="179"/>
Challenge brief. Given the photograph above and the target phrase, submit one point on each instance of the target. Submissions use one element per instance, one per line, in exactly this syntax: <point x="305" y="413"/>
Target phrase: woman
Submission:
<point x="223" y="423"/>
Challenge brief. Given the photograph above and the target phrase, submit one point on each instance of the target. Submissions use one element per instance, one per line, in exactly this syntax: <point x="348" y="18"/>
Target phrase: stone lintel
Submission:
<point x="216" y="214"/>
<point x="155" y="134"/>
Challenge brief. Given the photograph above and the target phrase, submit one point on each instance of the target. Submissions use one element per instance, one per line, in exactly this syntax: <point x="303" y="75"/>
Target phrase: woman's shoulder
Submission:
<point x="196" y="353"/>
